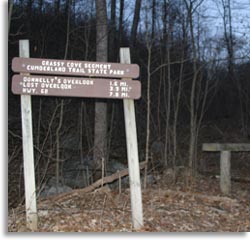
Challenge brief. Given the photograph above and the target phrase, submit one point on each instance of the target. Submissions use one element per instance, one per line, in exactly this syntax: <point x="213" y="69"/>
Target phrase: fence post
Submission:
<point x="225" y="178"/>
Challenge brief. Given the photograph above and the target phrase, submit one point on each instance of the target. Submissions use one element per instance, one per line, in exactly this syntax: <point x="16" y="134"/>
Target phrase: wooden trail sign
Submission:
<point x="75" y="87"/>
<point x="75" y="68"/>
<point x="58" y="85"/>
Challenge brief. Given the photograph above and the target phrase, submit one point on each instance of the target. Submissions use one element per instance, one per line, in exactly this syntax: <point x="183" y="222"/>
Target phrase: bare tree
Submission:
<point x="68" y="10"/>
<point x="191" y="7"/>
<point x="135" y="23"/>
<point x="58" y="155"/>
<point x="169" y="82"/>
<point x="177" y="96"/>
<point x="11" y="3"/>
<point x="57" y="4"/>
<point x="230" y="42"/>
<point x="149" y="42"/>
<point x="61" y="115"/>
<point x="40" y="6"/>
<point x="121" y="21"/>
<point x="228" y="34"/>
<point x="112" y="32"/>
<point x="100" y="135"/>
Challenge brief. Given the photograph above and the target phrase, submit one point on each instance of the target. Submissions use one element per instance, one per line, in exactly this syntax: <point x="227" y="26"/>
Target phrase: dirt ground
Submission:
<point x="168" y="207"/>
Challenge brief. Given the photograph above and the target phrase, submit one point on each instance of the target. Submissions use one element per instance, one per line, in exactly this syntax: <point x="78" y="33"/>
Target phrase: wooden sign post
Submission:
<point x="132" y="152"/>
<point x="124" y="88"/>
<point x="28" y="153"/>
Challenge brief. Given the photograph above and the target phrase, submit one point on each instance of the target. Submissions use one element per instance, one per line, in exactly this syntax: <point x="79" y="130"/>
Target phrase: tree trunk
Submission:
<point x="57" y="4"/>
<point x="100" y="141"/>
<point x="196" y="104"/>
<point x="153" y="19"/>
<point x="121" y="21"/>
<point x="58" y="131"/>
<point x="40" y="6"/>
<point x="112" y="45"/>
<point x="149" y="49"/>
<point x="135" y="23"/>
<point x="29" y="18"/>
<point x="11" y="2"/>
<point x="58" y="158"/>
<point x="68" y="8"/>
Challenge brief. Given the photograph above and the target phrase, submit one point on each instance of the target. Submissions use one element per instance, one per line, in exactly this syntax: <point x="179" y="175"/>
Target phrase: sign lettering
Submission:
<point x="70" y="67"/>
<point x="75" y="87"/>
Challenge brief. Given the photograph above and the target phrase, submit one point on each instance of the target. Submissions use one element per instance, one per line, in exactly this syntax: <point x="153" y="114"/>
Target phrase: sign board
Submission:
<point x="75" y="68"/>
<point x="75" y="87"/>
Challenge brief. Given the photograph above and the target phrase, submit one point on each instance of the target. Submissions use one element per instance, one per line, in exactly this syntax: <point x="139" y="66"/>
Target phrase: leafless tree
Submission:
<point x="11" y="3"/>
<point x="100" y="135"/>
<point x="135" y="22"/>
<point x="194" y="100"/>
<point x="121" y="21"/>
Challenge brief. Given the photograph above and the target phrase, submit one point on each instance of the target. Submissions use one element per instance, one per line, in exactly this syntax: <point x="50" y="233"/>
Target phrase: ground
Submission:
<point x="179" y="206"/>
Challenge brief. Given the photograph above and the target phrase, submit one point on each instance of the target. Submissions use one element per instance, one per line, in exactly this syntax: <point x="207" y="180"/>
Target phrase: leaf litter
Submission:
<point x="172" y="208"/>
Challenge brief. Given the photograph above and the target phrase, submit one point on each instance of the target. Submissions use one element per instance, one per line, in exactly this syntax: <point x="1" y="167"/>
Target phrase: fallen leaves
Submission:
<point x="165" y="210"/>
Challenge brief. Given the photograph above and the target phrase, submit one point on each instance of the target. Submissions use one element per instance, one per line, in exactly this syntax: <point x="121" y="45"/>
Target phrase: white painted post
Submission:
<point x="28" y="154"/>
<point x="132" y="153"/>
<point x="225" y="177"/>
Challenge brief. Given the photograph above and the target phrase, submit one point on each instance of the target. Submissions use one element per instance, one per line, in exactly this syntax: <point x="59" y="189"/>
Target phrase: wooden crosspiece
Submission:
<point x="225" y="150"/>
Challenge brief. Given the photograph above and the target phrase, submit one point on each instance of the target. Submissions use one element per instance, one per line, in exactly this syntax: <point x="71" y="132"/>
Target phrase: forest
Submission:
<point x="194" y="59"/>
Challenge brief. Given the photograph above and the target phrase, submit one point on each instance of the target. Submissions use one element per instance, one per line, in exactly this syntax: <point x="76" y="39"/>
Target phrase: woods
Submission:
<point x="195" y="89"/>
